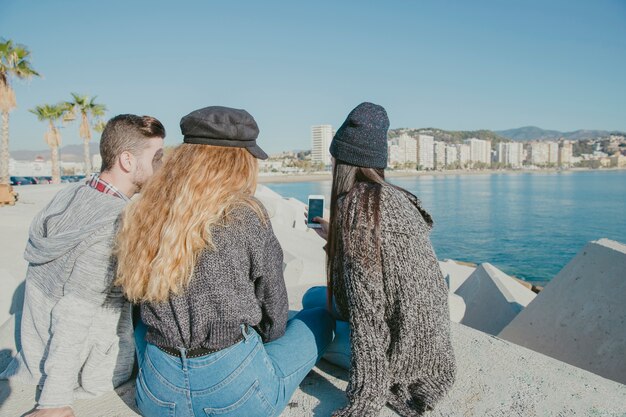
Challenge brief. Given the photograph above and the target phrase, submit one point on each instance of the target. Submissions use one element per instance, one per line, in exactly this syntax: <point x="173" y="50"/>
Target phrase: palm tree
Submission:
<point x="88" y="108"/>
<point x="51" y="114"/>
<point x="14" y="62"/>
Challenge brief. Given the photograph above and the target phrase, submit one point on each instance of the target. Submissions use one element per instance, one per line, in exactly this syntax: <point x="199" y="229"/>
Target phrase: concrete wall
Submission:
<point x="580" y="317"/>
<point x="492" y="299"/>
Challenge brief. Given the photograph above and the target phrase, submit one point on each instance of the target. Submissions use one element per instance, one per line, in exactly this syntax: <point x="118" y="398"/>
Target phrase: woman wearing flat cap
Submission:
<point x="384" y="282"/>
<point x="198" y="253"/>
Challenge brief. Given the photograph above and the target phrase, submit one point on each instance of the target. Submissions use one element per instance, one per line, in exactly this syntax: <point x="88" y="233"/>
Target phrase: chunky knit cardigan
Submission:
<point x="396" y="300"/>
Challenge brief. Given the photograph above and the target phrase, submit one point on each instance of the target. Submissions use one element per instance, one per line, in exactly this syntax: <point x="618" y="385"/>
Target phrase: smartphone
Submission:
<point x="316" y="209"/>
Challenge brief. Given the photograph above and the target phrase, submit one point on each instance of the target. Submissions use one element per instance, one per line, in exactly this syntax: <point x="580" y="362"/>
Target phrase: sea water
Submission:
<point x="527" y="224"/>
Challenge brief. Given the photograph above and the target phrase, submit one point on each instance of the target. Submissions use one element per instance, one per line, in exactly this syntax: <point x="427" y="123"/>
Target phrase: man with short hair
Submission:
<point x="76" y="338"/>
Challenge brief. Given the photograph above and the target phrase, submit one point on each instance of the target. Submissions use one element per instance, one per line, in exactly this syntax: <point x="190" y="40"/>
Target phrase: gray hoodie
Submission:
<point x="76" y="335"/>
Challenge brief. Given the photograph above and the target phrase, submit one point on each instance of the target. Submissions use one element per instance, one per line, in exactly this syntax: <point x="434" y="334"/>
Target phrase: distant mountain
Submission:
<point x="68" y="153"/>
<point x="528" y="133"/>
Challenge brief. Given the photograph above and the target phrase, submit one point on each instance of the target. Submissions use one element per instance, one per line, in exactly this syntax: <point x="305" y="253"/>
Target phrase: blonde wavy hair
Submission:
<point x="164" y="231"/>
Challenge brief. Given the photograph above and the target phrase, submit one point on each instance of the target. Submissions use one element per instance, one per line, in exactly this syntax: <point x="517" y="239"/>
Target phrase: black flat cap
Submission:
<point x="222" y="126"/>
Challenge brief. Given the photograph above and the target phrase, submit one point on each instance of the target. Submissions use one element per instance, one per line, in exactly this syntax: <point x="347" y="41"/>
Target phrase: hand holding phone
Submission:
<point x="316" y="209"/>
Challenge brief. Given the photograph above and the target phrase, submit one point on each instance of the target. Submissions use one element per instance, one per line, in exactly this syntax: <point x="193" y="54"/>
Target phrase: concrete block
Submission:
<point x="457" y="307"/>
<point x="292" y="268"/>
<point x="282" y="211"/>
<point x="492" y="299"/>
<point x="580" y="316"/>
<point x="455" y="273"/>
<point x="307" y="246"/>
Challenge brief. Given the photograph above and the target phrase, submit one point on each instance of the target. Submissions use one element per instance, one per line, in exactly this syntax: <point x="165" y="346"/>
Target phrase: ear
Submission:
<point x="127" y="161"/>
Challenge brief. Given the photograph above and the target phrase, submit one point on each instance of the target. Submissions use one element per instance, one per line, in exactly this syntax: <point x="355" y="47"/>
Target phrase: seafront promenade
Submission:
<point x="265" y="178"/>
<point x="507" y="364"/>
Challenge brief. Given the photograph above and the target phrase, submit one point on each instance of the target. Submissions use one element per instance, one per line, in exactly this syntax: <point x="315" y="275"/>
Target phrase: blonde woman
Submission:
<point x="198" y="253"/>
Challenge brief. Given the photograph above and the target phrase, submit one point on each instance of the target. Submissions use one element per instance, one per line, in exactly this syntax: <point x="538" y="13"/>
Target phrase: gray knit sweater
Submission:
<point x="240" y="282"/>
<point x="76" y="329"/>
<point x="397" y="306"/>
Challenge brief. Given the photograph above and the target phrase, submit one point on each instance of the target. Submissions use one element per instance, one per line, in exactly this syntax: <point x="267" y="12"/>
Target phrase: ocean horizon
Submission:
<point x="529" y="225"/>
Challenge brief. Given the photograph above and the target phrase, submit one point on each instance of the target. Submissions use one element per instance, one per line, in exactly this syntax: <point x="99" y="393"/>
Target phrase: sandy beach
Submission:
<point x="327" y="176"/>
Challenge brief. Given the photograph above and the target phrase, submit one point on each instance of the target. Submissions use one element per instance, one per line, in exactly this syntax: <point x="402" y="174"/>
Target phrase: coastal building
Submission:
<point x="321" y="136"/>
<point x="618" y="160"/>
<point x="538" y="153"/>
<point x="393" y="153"/>
<point x="270" y="165"/>
<point x="37" y="168"/>
<point x="480" y="151"/>
<point x="464" y="154"/>
<point x="614" y="143"/>
<point x="440" y="154"/>
<point x="402" y="150"/>
<point x="502" y="150"/>
<point x="553" y="153"/>
<point x="452" y="157"/>
<point x="425" y="152"/>
<point x="74" y="168"/>
<point x="565" y="153"/>
<point x="543" y="153"/>
<point x="510" y="153"/>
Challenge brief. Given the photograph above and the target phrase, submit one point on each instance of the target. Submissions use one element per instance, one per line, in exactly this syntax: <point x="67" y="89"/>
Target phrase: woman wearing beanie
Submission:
<point x="198" y="253"/>
<point x="383" y="278"/>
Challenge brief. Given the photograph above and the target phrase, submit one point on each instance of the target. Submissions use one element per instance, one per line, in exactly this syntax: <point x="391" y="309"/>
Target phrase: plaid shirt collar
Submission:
<point x="101" y="185"/>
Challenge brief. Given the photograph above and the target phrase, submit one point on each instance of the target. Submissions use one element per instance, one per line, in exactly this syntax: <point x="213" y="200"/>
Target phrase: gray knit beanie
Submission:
<point x="362" y="138"/>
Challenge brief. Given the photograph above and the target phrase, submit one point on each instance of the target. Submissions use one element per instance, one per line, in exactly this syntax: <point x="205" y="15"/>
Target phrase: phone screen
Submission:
<point x="316" y="209"/>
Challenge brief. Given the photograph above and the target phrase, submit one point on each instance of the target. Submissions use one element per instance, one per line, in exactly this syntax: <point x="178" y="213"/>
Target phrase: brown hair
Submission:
<point x="127" y="133"/>
<point x="164" y="231"/>
<point x="349" y="180"/>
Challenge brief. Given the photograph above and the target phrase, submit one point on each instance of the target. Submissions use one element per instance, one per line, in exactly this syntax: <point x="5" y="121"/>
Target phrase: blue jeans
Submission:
<point x="338" y="351"/>
<point x="247" y="379"/>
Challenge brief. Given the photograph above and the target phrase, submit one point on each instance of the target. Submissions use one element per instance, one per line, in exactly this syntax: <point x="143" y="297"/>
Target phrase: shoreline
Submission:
<point x="327" y="176"/>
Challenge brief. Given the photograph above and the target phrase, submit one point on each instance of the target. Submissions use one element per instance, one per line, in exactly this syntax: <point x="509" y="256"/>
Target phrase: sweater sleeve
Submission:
<point x="84" y="293"/>
<point x="270" y="289"/>
<point x="369" y="370"/>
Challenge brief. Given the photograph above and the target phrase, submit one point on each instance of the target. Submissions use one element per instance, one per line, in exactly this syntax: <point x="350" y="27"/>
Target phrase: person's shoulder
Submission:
<point x="88" y="205"/>
<point x="402" y="212"/>
<point x="250" y="214"/>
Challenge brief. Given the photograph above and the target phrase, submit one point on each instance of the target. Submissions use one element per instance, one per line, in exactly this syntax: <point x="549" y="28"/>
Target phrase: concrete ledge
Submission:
<point x="495" y="378"/>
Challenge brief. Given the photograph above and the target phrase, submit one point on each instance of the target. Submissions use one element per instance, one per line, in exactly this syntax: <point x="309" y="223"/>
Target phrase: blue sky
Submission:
<point x="459" y="65"/>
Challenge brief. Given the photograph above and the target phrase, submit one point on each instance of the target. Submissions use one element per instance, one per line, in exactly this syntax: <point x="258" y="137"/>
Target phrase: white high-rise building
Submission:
<point x="480" y="150"/>
<point x="440" y="154"/>
<point x="553" y="153"/>
<point x="321" y="136"/>
<point x="393" y="153"/>
<point x="425" y="152"/>
<point x="565" y="153"/>
<point x="451" y="156"/>
<point x="402" y="150"/>
<point x="510" y="153"/>
<point x="538" y="153"/>
<point x="464" y="154"/>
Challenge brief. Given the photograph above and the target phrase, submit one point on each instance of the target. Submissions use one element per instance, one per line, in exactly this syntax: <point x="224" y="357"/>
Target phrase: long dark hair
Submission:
<point x="361" y="187"/>
<point x="348" y="180"/>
